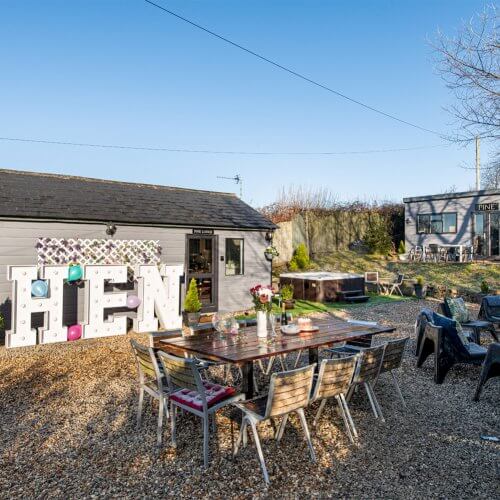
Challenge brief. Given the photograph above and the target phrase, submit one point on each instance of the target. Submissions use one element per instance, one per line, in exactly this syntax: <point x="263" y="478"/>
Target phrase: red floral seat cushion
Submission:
<point x="213" y="392"/>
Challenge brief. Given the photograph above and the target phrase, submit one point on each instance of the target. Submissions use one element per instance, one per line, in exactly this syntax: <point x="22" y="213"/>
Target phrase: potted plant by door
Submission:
<point x="286" y="292"/>
<point x="420" y="289"/>
<point x="192" y="305"/>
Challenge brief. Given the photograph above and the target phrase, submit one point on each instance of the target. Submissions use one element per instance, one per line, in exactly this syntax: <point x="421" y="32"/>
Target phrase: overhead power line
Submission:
<point x="219" y="152"/>
<point x="292" y="72"/>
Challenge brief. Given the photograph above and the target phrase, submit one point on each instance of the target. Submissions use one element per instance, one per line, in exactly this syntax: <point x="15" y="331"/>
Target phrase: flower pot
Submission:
<point x="289" y="304"/>
<point x="269" y="256"/>
<point x="420" y="291"/>
<point x="261" y="324"/>
<point x="403" y="257"/>
<point x="191" y="318"/>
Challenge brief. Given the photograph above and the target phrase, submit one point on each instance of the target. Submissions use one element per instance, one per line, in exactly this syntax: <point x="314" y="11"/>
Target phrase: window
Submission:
<point x="234" y="256"/>
<point x="437" y="223"/>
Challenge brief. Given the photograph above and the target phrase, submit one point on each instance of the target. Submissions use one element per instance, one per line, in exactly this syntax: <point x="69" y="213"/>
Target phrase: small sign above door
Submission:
<point x="203" y="231"/>
<point x="486" y="207"/>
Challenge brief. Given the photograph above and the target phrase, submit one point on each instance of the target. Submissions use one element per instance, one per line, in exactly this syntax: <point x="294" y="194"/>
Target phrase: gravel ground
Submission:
<point x="67" y="430"/>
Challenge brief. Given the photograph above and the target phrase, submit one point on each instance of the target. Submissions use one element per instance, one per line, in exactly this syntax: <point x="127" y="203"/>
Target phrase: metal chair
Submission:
<point x="334" y="379"/>
<point x="192" y="394"/>
<point x="288" y="392"/>
<point x="151" y="380"/>
<point x="393" y="357"/>
<point x="434" y="252"/>
<point x="395" y="286"/>
<point x="367" y="370"/>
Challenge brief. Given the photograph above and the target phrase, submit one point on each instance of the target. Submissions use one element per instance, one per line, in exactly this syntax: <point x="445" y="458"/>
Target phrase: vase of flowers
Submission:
<point x="262" y="301"/>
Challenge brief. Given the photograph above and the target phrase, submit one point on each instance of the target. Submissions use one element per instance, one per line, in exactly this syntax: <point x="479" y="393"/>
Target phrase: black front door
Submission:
<point x="495" y="234"/>
<point x="201" y="264"/>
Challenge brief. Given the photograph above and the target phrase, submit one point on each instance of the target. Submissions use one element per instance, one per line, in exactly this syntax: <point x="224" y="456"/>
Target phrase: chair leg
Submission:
<point x="303" y="421"/>
<point x="173" y="414"/>
<point x="243" y="430"/>
<point x="349" y="416"/>
<point x="297" y="359"/>
<point x="161" y="410"/>
<point x="139" y="407"/>
<point x="283" y="363"/>
<point x="320" y="410"/>
<point x="259" y="451"/>
<point x="281" y="428"/>
<point x="398" y="389"/>
<point x="344" y="418"/>
<point x="206" y="436"/>
<point x="369" y="389"/>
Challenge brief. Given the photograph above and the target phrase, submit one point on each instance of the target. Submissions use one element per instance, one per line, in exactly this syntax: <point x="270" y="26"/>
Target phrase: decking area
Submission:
<point x="68" y="430"/>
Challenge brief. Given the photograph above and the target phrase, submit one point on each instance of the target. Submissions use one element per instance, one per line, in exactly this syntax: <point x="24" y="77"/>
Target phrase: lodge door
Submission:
<point x="201" y="264"/>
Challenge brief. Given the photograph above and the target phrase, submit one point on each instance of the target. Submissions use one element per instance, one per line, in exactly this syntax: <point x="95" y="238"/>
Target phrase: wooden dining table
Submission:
<point x="245" y="347"/>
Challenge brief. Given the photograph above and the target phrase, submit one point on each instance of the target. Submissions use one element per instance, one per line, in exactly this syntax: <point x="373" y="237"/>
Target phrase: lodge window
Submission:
<point x="234" y="256"/>
<point x="437" y="223"/>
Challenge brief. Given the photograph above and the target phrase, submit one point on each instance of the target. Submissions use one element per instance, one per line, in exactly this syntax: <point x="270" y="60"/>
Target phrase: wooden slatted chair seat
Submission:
<point x="152" y="382"/>
<point x="333" y="381"/>
<point x="367" y="370"/>
<point x="289" y="392"/>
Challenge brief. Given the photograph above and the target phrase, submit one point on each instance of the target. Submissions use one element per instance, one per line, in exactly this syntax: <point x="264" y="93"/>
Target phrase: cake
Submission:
<point x="304" y="323"/>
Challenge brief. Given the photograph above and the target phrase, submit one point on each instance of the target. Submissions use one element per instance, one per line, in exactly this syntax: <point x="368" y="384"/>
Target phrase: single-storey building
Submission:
<point x="219" y="239"/>
<point x="468" y="218"/>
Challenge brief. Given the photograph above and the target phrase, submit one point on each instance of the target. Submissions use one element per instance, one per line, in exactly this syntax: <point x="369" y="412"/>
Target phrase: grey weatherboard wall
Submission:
<point x="24" y="220"/>
<point x="461" y="203"/>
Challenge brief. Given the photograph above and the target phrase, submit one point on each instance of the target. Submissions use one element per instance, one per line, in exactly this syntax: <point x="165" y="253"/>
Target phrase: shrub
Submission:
<point x="300" y="259"/>
<point x="485" y="287"/>
<point x="378" y="237"/>
<point x="292" y="266"/>
<point x="192" y="303"/>
<point x="401" y="247"/>
<point x="287" y="292"/>
<point x="420" y="280"/>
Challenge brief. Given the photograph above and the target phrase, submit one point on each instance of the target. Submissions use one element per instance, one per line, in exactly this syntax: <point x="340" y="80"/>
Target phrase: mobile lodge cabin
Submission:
<point x="469" y="218"/>
<point x="218" y="238"/>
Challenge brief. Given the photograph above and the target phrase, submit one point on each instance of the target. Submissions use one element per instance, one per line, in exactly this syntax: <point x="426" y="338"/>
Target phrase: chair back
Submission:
<point x="289" y="391"/>
<point x="393" y="354"/>
<point x="335" y="377"/>
<point x="181" y="373"/>
<point x="147" y="365"/>
<point x="399" y="279"/>
<point x="490" y="308"/>
<point x="433" y="248"/>
<point x="369" y="363"/>
<point x="363" y="342"/>
<point x="155" y="338"/>
<point x="371" y="277"/>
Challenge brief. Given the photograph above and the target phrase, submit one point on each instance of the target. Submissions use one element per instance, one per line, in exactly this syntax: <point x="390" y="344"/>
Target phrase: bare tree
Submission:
<point x="490" y="177"/>
<point x="470" y="65"/>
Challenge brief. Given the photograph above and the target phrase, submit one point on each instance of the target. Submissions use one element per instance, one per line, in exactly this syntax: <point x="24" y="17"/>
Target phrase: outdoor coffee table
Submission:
<point x="245" y="347"/>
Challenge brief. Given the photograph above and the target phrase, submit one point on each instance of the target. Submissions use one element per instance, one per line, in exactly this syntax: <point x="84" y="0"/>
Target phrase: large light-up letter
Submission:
<point x="159" y="292"/>
<point x="24" y="305"/>
<point x="96" y="301"/>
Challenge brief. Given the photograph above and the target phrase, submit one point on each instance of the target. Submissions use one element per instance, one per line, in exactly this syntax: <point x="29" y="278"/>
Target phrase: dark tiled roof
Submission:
<point x="58" y="197"/>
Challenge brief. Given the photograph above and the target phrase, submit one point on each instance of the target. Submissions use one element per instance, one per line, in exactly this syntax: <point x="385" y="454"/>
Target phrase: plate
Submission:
<point x="290" y="329"/>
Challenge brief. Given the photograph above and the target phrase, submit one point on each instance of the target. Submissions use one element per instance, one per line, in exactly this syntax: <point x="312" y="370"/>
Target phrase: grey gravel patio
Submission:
<point x="67" y="430"/>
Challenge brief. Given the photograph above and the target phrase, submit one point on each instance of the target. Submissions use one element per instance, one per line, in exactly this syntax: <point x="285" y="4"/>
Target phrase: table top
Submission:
<point x="246" y="346"/>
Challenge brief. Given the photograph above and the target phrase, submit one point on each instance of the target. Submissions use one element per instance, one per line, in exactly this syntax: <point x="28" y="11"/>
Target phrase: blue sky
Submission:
<point x="123" y="72"/>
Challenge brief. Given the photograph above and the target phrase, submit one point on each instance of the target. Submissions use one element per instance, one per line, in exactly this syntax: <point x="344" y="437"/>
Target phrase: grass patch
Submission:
<point x="462" y="276"/>
<point x="307" y="306"/>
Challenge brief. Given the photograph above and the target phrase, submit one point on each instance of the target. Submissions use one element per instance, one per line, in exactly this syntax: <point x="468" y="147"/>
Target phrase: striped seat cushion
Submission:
<point x="213" y="392"/>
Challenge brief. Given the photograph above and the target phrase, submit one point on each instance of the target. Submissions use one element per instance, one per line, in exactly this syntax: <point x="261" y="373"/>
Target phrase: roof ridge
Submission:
<point x="110" y="181"/>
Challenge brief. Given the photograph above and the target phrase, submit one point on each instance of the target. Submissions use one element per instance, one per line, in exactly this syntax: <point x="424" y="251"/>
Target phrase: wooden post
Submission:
<point x="478" y="165"/>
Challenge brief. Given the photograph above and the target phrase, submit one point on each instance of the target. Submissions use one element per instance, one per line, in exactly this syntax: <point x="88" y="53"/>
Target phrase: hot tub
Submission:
<point x="324" y="286"/>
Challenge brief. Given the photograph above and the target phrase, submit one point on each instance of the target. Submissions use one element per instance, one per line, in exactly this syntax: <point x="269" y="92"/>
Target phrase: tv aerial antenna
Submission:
<point x="237" y="178"/>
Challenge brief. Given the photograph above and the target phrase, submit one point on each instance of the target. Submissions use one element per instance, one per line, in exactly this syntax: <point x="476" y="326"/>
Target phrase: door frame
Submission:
<point x="214" y="275"/>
